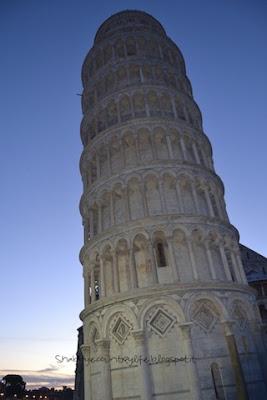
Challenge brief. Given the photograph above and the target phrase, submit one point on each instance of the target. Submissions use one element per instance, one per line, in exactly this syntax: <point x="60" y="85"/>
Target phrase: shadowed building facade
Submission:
<point x="163" y="277"/>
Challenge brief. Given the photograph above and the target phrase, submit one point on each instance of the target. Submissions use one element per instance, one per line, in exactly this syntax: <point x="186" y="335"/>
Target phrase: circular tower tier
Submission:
<point x="168" y="312"/>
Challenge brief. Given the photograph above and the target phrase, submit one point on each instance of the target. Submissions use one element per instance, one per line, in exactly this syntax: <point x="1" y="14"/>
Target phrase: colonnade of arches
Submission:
<point x="140" y="104"/>
<point x="150" y="259"/>
<point x="130" y="47"/>
<point x="142" y="147"/>
<point x="151" y="195"/>
<point x="121" y="76"/>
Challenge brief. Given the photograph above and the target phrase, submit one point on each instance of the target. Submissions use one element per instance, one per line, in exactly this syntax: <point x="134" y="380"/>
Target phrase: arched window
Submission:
<point x="161" y="258"/>
<point x="217" y="382"/>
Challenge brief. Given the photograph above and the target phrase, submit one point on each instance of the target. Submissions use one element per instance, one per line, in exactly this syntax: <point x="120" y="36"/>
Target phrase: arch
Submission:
<point x="217" y="304"/>
<point x="169" y="302"/>
<point x="118" y="309"/>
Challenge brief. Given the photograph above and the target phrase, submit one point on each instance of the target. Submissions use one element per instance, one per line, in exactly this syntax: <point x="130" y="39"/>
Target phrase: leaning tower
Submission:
<point x="168" y="313"/>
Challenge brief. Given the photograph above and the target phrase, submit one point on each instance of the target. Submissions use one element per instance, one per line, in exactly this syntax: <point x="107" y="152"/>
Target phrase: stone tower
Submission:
<point x="168" y="312"/>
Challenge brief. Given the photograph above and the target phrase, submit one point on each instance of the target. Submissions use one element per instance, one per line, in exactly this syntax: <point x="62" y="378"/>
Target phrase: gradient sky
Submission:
<point x="43" y="44"/>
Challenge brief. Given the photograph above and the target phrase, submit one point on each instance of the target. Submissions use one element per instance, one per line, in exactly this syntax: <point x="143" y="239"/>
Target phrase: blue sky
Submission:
<point x="43" y="45"/>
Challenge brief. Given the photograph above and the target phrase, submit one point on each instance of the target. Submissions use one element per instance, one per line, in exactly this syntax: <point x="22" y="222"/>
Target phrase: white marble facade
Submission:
<point x="168" y="312"/>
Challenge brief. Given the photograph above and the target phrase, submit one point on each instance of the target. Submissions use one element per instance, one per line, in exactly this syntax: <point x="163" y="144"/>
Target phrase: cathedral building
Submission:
<point x="168" y="312"/>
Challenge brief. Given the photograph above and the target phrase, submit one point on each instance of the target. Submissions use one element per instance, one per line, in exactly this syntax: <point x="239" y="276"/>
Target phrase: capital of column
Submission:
<point x="227" y="325"/>
<point x="186" y="329"/>
<point x="85" y="349"/>
<point x="139" y="336"/>
<point x="103" y="344"/>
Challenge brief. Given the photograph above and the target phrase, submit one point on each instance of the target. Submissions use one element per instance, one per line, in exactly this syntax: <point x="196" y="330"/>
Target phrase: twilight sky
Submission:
<point x="43" y="44"/>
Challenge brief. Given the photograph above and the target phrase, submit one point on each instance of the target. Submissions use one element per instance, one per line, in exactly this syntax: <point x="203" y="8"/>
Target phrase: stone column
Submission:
<point x="169" y="145"/>
<point x="102" y="278"/>
<point x="93" y="297"/>
<point x="153" y="147"/>
<point x="225" y="263"/>
<point x="115" y="272"/>
<point x="143" y="193"/>
<point x="103" y="345"/>
<point x="192" y="259"/>
<point x="241" y="389"/>
<point x="153" y="261"/>
<point x="133" y="275"/>
<point x="85" y="349"/>
<point x="179" y="197"/>
<point x="86" y="286"/>
<point x="195" y="197"/>
<point x="212" y="271"/>
<point x="241" y="268"/>
<point x="211" y="212"/>
<point x="196" y="153"/>
<point x="112" y="217"/>
<point x="126" y="202"/>
<point x="144" y="368"/>
<point x="236" y="268"/>
<point x="194" y="383"/>
<point x="184" y="153"/>
<point x="162" y="197"/>
<point x="137" y="148"/>
<point x="172" y="261"/>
